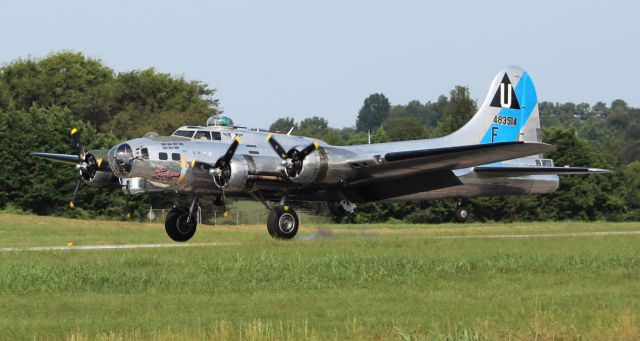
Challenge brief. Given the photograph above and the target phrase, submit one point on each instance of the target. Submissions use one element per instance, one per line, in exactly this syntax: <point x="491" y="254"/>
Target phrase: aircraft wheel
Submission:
<point x="462" y="214"/>
<point x="282" y="222"/>
<point x="177" y="227"/>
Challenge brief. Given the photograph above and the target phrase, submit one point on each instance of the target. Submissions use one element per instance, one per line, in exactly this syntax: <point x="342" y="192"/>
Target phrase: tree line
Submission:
<point x="40" y="99"/>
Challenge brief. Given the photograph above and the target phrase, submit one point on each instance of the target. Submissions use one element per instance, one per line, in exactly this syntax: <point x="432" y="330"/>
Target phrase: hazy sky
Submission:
<point x="269" y="59"/>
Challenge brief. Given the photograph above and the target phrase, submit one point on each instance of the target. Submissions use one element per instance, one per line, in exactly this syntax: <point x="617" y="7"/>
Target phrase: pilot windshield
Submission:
<point x="202" y="135"/>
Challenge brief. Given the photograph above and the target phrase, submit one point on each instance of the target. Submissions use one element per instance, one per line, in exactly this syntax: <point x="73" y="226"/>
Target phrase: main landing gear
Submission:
<point x="181" y="223"/>
<point x="282" y="222"/>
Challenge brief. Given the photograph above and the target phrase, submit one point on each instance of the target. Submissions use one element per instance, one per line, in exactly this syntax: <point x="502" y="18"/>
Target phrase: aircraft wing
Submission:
<point x="407" y="172"/>
<point x="67" y="158"/>
<point x="523" y="171"/>
<point x="448" y="158"/>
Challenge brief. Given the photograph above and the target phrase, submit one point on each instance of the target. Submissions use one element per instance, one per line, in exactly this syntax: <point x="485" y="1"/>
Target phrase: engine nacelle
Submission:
<point x="314" y="168"/>
<point x="96" y="171"/>
<point x="237" y="176"/>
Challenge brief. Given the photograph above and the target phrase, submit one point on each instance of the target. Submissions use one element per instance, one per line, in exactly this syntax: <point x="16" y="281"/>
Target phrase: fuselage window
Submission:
<point x="162" y="156"/>
<point x="175" y="156"/>
<point x="184" y="133"/>
<point x="216" y="135"/>
<point x="202" y="135"/>
<point x="144" y="152"/>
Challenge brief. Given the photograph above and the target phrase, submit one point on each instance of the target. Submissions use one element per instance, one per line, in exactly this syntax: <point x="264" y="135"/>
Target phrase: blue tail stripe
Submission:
<point x="526" y="94"/>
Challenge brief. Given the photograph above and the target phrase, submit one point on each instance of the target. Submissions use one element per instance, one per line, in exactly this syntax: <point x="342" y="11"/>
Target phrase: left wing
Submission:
<point x="407" y="172"/>
<point x="447" y="158"/>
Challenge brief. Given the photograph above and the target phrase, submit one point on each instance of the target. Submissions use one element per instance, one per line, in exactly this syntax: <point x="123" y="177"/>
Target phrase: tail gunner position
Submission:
<point x="498" y="152"/>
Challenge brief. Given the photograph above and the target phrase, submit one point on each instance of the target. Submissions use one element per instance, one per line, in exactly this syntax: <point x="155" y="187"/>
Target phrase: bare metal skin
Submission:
<point x="498" y="152"/>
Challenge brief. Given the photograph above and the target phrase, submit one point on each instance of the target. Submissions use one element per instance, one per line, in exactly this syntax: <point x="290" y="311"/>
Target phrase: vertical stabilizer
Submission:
<point x="509" y="112"/>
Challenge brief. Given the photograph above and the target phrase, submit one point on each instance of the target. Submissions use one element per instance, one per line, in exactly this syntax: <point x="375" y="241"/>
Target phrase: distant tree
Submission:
<point x="429" y="113"/>
<point x="283" y="124"/>
<point x="65" y="79"/>
<point x="584" y="198"/>
<point x="149" y="101"/>
<point x="128" y="104"/>
<point x="457" y="112"/>
<point x="314" y="126"/>
<point x="373" y="112"/>
<point x="600" y="110"/>
<point x="404" y="128"/>
<point x="42" y="186"/>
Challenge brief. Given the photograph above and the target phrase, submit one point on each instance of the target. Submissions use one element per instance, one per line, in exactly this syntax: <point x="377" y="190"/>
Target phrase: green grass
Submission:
<point x="335" y="282"/>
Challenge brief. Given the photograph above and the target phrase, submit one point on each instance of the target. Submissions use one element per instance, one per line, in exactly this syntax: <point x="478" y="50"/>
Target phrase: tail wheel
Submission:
<point x="178" y="226"/>
<point x="282" y="222"/>
<point x="462" y="214"/>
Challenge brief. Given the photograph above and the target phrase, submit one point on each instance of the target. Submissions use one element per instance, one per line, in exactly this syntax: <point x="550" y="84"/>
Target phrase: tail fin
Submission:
<point x="508" y="113"/>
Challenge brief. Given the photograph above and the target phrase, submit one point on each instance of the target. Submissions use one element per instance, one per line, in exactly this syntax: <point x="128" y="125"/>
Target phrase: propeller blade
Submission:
<point x="307" y="150"/>
<point x="77" y="144"/>
<point x="226" y="158"/>
<point x="72" y="203"/>
<point x="277" y="147"/>
<point x="224" y="204"/>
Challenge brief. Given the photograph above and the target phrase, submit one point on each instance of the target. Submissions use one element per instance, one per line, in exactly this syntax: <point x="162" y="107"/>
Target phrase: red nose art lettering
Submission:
<point x="163" y="174"/>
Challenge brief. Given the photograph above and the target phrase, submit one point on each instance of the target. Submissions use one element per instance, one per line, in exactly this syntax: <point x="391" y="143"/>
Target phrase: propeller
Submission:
<point x="87" y="166"/>
<point x="221" y="171"/>
<point x="292" y="159"/>
<point x="82" y="165"/>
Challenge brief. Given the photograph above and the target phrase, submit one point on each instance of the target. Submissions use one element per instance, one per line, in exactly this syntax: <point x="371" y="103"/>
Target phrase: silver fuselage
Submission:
<point x="258" y="168"/>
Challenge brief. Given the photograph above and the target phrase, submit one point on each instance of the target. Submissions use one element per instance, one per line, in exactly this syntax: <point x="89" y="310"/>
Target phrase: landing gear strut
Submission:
<point x="282" y="222"/>
<point x="181" y="223"/>
<point x="341" y="209"/>
<point x="462" y="212"/>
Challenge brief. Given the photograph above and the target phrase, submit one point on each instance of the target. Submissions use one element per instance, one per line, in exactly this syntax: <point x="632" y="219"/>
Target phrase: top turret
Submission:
<point x="220" y="121"/>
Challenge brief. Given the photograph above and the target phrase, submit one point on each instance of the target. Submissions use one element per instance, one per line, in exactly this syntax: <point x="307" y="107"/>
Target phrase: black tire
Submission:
<point x="282" y="222"/>
<point x="462" y="214"/>
<point x="177" y="227"/>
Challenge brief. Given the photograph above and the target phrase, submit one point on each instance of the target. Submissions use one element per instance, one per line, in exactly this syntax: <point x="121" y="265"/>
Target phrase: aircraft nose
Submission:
<point x="121" y="159"/>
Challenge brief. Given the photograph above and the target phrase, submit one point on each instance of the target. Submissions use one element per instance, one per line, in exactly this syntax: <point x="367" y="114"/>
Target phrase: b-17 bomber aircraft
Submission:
<point x="497" y="152"/>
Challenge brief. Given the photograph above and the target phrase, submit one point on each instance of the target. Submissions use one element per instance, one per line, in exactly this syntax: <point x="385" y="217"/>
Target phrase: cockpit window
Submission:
<point x="216" y="135"/>
<point x="202" y="135"/>
<point x="144" y="152"/>
<point x="184" y="133"/>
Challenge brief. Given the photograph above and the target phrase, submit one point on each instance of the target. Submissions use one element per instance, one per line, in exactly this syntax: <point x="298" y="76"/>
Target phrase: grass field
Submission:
<point x="341" y="282"/>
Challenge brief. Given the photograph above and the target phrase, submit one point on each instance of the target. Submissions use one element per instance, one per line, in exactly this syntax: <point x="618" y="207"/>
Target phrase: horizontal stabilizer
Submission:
<point x="74" y="159"/>
<point x="523" y="171"/>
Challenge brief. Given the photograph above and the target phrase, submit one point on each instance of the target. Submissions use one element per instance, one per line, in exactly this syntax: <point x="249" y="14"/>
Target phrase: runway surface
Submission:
<point x="112" y="247"/>
<point x="182" y="245"/>
<point x="544" y="235"/>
